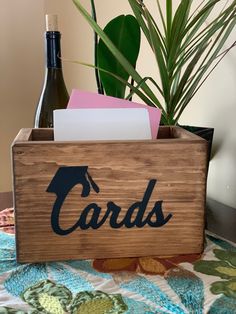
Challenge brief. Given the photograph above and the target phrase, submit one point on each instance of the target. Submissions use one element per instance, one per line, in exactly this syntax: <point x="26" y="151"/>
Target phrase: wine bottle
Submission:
<point x="54" y="94"/>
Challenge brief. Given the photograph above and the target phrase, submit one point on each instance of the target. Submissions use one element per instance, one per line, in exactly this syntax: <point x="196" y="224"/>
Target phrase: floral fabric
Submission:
<point x="165" y="284"/>
<point x="7" y="220"/>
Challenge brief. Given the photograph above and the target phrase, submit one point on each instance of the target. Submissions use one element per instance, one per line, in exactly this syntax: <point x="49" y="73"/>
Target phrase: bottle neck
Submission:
<point x="53" y="49"/>
<point x="54" y="74"/>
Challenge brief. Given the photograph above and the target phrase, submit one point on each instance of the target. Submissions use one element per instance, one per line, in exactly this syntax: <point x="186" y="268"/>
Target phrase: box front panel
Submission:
<point x="98" y="200"/>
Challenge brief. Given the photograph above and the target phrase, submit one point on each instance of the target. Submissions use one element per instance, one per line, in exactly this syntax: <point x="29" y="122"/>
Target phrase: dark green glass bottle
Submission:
<point x="54" y="94"/>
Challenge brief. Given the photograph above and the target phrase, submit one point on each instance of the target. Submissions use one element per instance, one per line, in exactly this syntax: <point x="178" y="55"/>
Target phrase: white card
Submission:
<point x="101" y="124"/>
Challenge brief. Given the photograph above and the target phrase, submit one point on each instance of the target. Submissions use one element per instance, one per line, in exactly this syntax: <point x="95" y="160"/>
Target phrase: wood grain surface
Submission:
<point x="122" y="170"/>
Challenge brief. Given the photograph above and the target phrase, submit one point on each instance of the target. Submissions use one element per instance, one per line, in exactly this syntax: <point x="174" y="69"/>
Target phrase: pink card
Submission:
<point x="80" y="99"/>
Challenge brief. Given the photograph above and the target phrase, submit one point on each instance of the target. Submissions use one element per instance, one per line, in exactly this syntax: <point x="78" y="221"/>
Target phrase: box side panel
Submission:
<point x="109" y="200"/>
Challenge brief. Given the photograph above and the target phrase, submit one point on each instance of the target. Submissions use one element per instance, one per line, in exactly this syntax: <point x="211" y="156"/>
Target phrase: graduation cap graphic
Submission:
<point x="62" y="183"/>
<point x="67" y="177"/>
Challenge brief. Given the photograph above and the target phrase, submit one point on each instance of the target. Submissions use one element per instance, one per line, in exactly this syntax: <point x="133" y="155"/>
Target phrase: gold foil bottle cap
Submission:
<point x="51" y="23"/>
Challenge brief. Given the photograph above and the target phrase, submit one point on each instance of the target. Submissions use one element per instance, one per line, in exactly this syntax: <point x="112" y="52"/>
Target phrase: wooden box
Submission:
<point x="108" y="199"/>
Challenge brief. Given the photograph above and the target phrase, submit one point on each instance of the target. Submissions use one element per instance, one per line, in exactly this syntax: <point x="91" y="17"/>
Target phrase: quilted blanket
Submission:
<point x="162" y="284"/>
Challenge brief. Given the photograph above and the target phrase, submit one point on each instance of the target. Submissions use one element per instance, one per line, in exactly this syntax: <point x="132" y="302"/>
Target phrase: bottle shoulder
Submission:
<point x="54" y="81"/>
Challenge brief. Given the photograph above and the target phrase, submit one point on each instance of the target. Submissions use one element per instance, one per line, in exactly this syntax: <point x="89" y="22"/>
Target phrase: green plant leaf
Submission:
<point x="191" y="30"/>
<point x="97" y="77"/>
<point x="225" y="26"/>
<point x="168" y="20"/>
<point x="162" y="17"/>
<point x="124" y="32"/>
<point x="137" y="10"/>
<point x="148" y="78"/>
<point x="123" y="61"/>
<point x="186" y="75"/>
<point x="175" y="39"/>
<point x="156" y="45"/>
<point x="134" y="89"/>
<point x="177" y="31"/>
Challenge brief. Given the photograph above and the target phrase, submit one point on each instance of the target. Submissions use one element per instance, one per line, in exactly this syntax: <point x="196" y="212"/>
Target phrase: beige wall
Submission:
<point x="214" y="105"/>
<point x="21" y="64"/>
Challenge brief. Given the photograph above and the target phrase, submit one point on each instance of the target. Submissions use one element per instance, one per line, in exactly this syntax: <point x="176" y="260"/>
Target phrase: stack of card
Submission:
<point x="91" y="116"/>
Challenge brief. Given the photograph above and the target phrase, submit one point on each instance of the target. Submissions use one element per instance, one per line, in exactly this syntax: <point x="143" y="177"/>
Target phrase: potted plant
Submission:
<point x="186" y="47"/>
